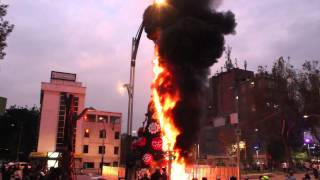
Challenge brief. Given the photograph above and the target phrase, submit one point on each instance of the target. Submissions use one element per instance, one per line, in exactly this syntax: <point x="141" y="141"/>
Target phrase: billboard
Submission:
<point x="63" y="76"/>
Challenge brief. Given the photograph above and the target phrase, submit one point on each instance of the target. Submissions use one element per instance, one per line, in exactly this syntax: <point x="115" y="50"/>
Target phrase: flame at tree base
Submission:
<point x="165" y="96"/>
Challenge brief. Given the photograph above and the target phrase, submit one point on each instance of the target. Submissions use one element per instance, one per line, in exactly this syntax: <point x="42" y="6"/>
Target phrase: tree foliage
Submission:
<point x="15" y="122"/>
<point x="291" y="94"/>
<point x="5" y="29"/>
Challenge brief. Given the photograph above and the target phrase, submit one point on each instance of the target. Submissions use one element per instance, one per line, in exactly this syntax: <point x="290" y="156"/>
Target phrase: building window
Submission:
<point x="116" y="150"/>
<point x="87" y="165"/>
<point x="102" y="133"/>
<point x="103" y="119"/>
<point x="102" y="149"/>
<point x="86" y="133"/>
<point x="114" y="119"/>
<point x="91" y="117"/>
<point x="85" y="149"/>
<point x="117" y="135"/>
<point x="115" y="163"/>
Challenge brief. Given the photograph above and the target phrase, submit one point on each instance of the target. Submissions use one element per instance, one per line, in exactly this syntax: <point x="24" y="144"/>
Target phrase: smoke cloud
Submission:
<point x="190" y="37"/>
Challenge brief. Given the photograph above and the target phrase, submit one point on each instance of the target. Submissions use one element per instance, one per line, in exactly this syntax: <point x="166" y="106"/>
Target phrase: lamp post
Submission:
<point x="130" y="85"/>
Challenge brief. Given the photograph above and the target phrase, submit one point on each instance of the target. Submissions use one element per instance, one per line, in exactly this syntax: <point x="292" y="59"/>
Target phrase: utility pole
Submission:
<point x="20" y="127"/>
<point x="238" y="130"/>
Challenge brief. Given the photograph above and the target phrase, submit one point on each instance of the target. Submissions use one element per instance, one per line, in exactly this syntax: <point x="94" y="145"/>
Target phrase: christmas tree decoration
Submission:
<point x="156" y="143"/>
<point x="154" y="128"/>
<point x="142" y="141"/>
<point x="147" y="158"/>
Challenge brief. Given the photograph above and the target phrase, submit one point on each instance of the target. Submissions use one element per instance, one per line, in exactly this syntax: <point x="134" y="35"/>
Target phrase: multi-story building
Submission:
<point x="54" y="97"/>
<point x="225" y="89"/>
<point x="98" y="140"/>
<point x="250" y="96"/>
<point x="97" y="133"/>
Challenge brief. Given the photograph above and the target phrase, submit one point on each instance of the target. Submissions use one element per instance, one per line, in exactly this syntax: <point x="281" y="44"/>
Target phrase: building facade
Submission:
<point x="98" y="140"/>
<point x="54" y="97"/>
<point x="225" y="89"/>
<point x="97" y="133"/>
<point x="237" y="91"/>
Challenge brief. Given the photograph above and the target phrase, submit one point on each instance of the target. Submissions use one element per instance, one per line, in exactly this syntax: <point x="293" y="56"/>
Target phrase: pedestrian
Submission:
<point x="26" y="173"/>
<point x="156" y="175"/>
<point x="290" y="176"/>
<point x="164" y="174"/>
<point x="306" y="166"/>
<point x="315" y="173"/>
<point x="284" y="167"/>
<point x="306" y="177"/>
<point x="145" y="177"/>
<point x="5" y="172"/>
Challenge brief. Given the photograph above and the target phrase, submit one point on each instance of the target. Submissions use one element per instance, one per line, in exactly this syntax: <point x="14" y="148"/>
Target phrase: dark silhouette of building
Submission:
<point x="236" y="90"/>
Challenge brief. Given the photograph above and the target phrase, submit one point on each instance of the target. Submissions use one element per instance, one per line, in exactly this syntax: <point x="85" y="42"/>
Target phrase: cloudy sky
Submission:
<point x="92" y="38"/>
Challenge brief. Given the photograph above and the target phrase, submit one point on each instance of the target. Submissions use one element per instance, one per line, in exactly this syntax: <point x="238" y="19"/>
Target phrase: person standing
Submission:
<point x="306" y="177"/>
<point x="315" y="172"/>
<point x="156" y="175"/>
<point x="290" y="176"/>
<point x="164" y="174"/>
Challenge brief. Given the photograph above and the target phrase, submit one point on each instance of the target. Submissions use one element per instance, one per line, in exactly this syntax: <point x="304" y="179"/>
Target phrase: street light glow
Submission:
<point x="121" y="87"/>
<point x="159" y="2"/>
<point x="305" y="116"/>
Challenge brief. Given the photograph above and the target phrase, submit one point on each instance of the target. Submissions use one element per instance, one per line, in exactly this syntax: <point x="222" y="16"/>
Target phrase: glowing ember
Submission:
<point x="164" y="103"/>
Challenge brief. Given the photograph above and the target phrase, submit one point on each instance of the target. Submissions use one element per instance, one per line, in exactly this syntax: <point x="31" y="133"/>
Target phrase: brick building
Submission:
<point x="236" y="90"/>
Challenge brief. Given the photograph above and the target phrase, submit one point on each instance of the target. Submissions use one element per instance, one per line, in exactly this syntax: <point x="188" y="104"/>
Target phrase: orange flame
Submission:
<point x="164" y="103"/>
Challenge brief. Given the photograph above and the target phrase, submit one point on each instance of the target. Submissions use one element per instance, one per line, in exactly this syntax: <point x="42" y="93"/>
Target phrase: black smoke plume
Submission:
<point x="190" y="37"/>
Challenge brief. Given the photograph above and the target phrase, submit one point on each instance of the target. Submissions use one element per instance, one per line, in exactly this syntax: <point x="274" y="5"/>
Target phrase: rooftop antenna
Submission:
<point x="245" y="64"/>
<point x="228" y="65"/>
<point x="236" y="62"/>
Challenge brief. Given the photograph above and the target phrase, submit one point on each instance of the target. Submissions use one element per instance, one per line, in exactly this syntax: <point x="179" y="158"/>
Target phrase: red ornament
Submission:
<point x="147" y="158"/>
<point x="154" y="128"/>
<point x="156" y="143"/>
<point x="142" y="141"/>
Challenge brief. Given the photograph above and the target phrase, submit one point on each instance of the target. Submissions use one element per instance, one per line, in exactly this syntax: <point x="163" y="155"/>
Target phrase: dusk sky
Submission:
<point x="92" y="38"/>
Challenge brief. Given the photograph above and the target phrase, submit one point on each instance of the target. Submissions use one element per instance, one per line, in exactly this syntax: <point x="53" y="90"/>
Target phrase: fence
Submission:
<point x="211" y="173"/>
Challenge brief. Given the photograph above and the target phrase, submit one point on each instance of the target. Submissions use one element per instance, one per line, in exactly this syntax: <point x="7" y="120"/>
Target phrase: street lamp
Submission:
<point x="306" y="116"/>
<point x="130" y="85"/>
<point x="159" y="2"/>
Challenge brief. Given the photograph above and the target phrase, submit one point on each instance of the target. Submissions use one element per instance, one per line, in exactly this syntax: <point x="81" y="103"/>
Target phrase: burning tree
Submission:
<point x="189" y="38"/>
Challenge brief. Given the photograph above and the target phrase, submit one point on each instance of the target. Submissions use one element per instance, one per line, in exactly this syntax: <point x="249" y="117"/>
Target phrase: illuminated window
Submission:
<point x="86" y="133"/>
<point x="102" y="133"/>
<point x="103" y="119"/>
